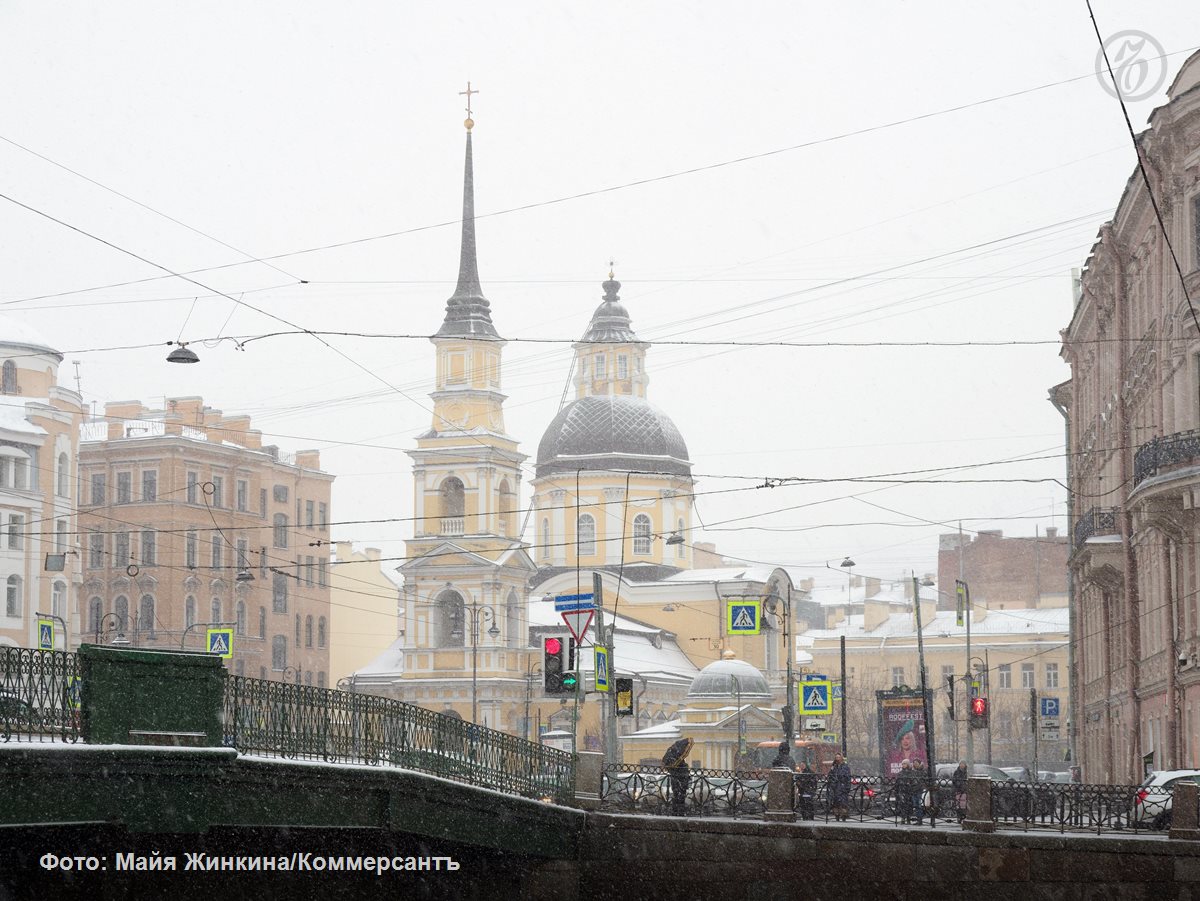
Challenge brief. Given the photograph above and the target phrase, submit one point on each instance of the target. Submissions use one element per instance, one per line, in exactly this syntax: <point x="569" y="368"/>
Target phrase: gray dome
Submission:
<point x="612" y="432"/>
<point x="717" y="681"/>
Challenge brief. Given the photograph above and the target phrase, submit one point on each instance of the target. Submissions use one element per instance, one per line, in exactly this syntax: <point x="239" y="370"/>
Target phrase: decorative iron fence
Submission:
<point x="705" y="793"/>
<point x="1182" y="447"/>
<point x="900" y="801"/>
<point x="1077" y="807"/>
<point x="39" y="695"/>
<point x="1097" y="521"/>
<point x="280" y="719"/>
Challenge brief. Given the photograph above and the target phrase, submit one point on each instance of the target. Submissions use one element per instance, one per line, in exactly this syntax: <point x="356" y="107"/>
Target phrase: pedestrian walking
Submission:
<point x="839" y="787"/>
<point x="904" y="792"/>
<point x="806" y="789"/>
<point x="959" y="783"/>
<point x="676" y="764"/>
<point x="922" y="796"/>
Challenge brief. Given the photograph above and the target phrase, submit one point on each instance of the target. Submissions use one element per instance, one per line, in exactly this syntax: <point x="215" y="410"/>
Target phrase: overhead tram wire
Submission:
<point x="600" y="191"/>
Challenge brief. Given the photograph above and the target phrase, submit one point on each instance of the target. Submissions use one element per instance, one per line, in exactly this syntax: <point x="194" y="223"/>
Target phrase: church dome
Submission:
<point x="16" y="334"/>
<point x="612" y="432"/>
<point x="729" y="678"/>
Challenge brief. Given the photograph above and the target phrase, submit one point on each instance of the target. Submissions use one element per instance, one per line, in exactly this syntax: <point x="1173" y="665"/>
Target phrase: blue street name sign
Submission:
<point x="565" y="602"/>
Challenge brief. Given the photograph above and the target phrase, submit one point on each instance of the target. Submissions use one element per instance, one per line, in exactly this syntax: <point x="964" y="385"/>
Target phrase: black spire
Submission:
<point x="468" y="313"/>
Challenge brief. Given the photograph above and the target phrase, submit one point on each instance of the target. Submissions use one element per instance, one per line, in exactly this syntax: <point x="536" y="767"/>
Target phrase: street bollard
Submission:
<point x="1185" y="815"/>
<point x="780" y="796"/>
<point x="589" y="774"/>
<point x="979" y="805"/>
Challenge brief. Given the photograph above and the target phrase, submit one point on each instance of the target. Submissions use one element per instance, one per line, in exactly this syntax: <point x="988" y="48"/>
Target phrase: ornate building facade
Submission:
<point x="1132" y="408"/>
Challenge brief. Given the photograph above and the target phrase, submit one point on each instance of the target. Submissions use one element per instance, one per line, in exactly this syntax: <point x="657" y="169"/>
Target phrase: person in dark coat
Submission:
<point x="676" y="764"/>
<point x="783" y="758"/>
<point x="839" y="787"/>
<point x="959" y="783"/>
<point x="905" y="784"/>
<point x="922" y="802"/>
<point x="806" y="791"/>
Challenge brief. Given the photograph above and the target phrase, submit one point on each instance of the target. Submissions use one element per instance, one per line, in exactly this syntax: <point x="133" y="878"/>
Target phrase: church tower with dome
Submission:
<point x="613" y="483"/>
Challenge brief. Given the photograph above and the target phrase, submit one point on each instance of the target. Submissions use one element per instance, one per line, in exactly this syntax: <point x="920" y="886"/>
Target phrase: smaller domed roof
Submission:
<point x="16" y="334"/>
<point x="730" y="678"/>
<point x="610" y="323"/>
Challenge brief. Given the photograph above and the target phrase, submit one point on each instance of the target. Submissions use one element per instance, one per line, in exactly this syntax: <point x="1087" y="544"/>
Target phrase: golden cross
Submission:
<point x="468" y="93"/>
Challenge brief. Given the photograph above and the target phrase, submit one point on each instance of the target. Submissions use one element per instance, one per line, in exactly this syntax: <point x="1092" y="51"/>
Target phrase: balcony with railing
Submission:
<point x="1097" y="521"/>
<point x="1169" y="450"/>
<point x="452" y="525"/>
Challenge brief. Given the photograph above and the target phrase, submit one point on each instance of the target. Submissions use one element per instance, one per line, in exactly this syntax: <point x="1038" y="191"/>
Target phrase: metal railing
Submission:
<point x="899" y="801"/>
<point x="39" y="695"/>
<point x="1097" y="521"/>
<point x="705" y="793"/>
<point x="279" y="719"/>
<point x="1076" y="807"/>
<point x="1182" y="447"/>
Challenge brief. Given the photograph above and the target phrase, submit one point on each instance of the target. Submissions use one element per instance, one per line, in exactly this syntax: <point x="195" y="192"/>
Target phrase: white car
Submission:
<point x="1152" y="803"/>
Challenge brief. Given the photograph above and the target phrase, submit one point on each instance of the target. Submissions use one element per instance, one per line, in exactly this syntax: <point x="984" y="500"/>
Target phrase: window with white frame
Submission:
<point x="309" y="514"/>
<point x="189" y="550"/>
<point x="622" y="366"/>
<point x="322" y="516"/>
<point x="16" y="531"/>
<point x="1027" y="678"/>
<point x="14" y="600"/>
<point x="1004" y="675"/>
<point x="121" y="609"/>
<point x="58" y="599"/>
<point x="60" y="536"/>
<point x="681" y="548"/>
<point x="9" y="381"/>
<point x="587" y="535"/>
<point x="214" y="611"/>
<point x="897" y="676"/>
<point x="641" y="534"/>
<point x="243" y="554"/>
<point x="243" y="494"/>
<point x="601" y="367"/>
<point x="1052" y="675"/>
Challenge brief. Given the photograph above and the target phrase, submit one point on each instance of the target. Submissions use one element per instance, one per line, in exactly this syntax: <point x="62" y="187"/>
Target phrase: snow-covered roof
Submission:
<point x="750" y="573"/>
<point x="832" y="592"/>
<point x="15" y="333"/>
<point x="13" y="415"/>
<point x="669" y="729"/>
<point x="943" y="624"/>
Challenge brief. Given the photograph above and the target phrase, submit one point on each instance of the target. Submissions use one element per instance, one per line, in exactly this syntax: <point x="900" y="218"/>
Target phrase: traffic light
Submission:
<point x="979" y="713"/>
<point x="552" y="665"/>
<point x="569" y="681"/>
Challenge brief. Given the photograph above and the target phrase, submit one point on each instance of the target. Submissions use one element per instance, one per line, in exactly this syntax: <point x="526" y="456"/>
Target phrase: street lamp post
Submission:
<point x="737" y="689"/>
<point x="100" y="630"/>
<point x="295" y="670"/>
<point x="489" y="615"/>
<point x="789" y="711"/>
<point x="183" y="637"/>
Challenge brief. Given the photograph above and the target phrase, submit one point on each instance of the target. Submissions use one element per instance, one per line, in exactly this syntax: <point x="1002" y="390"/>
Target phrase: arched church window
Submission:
<point x="512" y="620"/>
<point x="10" y="377"/>
<point x="506" y="507"/>
<point x="451" y="620"/>
<point x="587" y="535"/>
<point x="121" y="608"/>
<point x="145" y="620"/>
<point x="453" y="505"/>
<point x="545" y="538"/>
<point x="641" y="534"/>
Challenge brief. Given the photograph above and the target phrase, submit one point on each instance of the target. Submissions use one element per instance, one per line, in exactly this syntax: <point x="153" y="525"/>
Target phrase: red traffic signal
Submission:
<point x="979" y="713"/>
<point x="553" y="646"/>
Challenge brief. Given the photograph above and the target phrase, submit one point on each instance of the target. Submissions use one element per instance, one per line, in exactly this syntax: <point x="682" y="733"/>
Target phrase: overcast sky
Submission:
<point x="276" y="128"/>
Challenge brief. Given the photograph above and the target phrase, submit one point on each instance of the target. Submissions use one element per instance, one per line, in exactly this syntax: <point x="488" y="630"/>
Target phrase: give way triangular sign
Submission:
<point x="578" y="621"/>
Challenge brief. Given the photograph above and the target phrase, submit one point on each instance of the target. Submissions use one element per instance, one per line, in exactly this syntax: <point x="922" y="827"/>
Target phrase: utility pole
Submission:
<point x="604" y="638"/>
<point x="842" y="642"/>
<point x="930" y="760"/>
<point x="965" y="600"/>
<point x="1033" y="725"/>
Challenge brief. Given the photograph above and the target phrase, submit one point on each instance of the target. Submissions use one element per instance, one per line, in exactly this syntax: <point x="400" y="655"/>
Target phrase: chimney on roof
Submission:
<point x="1051" y="531"/>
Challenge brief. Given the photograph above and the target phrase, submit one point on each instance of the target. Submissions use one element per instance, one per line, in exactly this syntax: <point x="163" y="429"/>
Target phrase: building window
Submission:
<point x="1052" y="675"/>
<point x="322" y="516"/>
<point x="545" y="538"/>
<point x="58" y="599"/>
<point x="149" y="486"/>
<point x="1196" y="232"/>
<point x="145" y="621"/>
<point x="622" y="366"/>
<point x="587" y="535"/>
<point x="450" y="620"/>
<point x="218" y="492"/>
<point x="641" y="534"/>
<point x="322" y="573"/>
<point x="121" y="555"/>
<point x="60" y="536"/>
<point x="21" y="473"/>
<point x="897" y="676"/>
<point x="243" y="554"/>
<point x="193" y="482"/>
<point x="310" y="508"/>
<point x="681" y="548"/>
<point x="321" y="679"/>
<point x="243" y="491"/>
<point x="453" y="506"/>
<point x="297" y="630"/>
<point x="121" y="609"/>
<point x="214" y="610"/>
<point x="241" y="618"/>
<point x="148" y="548"/>
<point x="280" y="493"/>
<point x="16" y="531"/>
<point x="947" y="675"/>
<point x="279" y="593"/>
<point x="97" y="488"/>
<point x="308" y="631"/>
<point x="1027" y="675"/>
<point x="124" y="487"/>
<point x="308" y="571"/>
<point x="262" y="562"/>
<point x="95" y="550"/>
<point x="321" y="632"/>
<point x="64" y="476"/>
<point x="10" y="377"/>
<point x="95" y="616"/>
<point x="262" y="502"/>
<point x="189" y="552"/>
<point x="281" y="530"/>
<point x="1005" y="675"/>
<point x="279" y="653"/>
<point x="600" y="367"/>
<point x="217" y="545"/>
<point x="189" y="612"/>
<point x="262" y="622"/>
<point x="14" y="603"/>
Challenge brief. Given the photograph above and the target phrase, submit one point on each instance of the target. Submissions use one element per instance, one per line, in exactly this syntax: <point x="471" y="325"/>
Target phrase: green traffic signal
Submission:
<point x="569" y="681"/>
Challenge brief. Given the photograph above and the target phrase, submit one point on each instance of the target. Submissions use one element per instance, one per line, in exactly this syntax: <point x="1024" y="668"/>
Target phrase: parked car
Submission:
<point x="1055" y="776"/>
<point x="1152" y="803"/>
<point x="1018" y="773"/>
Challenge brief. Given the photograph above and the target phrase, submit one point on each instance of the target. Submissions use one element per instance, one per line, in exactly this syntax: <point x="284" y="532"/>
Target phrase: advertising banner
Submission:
<point x="901" y="720"/>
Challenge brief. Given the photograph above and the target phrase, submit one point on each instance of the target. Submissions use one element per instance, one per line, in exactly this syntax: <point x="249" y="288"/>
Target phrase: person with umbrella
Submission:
<point x="676" y="764"/>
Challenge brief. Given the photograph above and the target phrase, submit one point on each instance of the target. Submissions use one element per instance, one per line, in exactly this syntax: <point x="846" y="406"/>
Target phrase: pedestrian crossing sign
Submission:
<point x="743" y="617"/>
<point x="601" y="669"/>
<point x="816" y="698"/>
<point x="45" y="634"/>
<point x="220" y="642"/>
